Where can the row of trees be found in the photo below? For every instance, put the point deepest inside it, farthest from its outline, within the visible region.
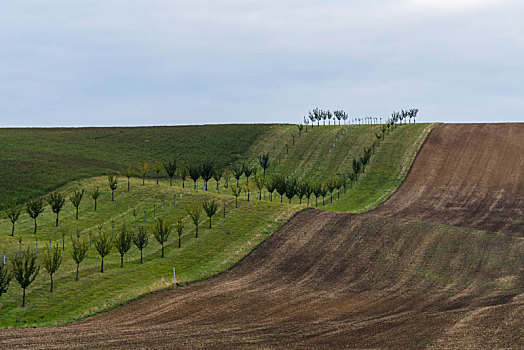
(25, 268)
(317, 115)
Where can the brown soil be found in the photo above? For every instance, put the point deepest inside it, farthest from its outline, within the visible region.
(332, 280)
(469, 175)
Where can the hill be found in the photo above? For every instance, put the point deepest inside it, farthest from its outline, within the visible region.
(36, 161)
(469, 175)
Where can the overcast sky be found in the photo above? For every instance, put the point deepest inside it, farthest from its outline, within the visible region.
(167, 62)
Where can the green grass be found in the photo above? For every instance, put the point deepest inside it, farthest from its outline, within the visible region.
(36, 161)
(215, 250)
(314, 158)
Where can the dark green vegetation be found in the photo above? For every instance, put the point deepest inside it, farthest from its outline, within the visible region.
(37, 161)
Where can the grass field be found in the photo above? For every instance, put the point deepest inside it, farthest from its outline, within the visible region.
(327, 151)
(36, 161)
(316, 155)
(214, 251)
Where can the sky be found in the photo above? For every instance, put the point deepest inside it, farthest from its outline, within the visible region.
(167, 62)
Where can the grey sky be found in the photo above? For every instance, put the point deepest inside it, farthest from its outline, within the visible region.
(129, 62)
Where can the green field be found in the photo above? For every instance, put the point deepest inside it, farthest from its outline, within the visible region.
(36, 161)
(216, 249)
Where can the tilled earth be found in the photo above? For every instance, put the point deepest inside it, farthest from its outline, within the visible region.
(334, 280)
(469, 175)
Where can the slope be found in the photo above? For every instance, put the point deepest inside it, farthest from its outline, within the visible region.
(469, 175)
(329, 280)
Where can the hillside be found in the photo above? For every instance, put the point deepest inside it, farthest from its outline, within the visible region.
(330, 280)
(372, 280)
(469, 175)
(36, 161)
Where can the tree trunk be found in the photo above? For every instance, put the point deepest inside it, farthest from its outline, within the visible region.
(162, 250)
(95, 204)
(102, 265)
(13, 229)
(210, 222)
(51, 283)
(141, 260)
(56, 220)
(331, 194)
(316, 201)
(280, 198)
(121, 260)
(196, 227)
(128, 185)
(23, 297)
(224, 211)
(76, 279)
(323, 200)
(77, 213)
(248, 196)
(157, 180)
(236, 203)
(112, 196)
(170, 181)
(179, 243)
(183, 183)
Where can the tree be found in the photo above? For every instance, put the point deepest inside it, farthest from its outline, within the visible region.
(161, 232)
(331, 185)
(300, 128)
(95, 194)
(356, 167)
(238, 171)
(113, 183)
(103, 242)
(143, 168)
(226, 178)
(343, 179)
(247, 187)
(122, 243)
(352, 177)
(194, 211)
(76, 198)
(217, 175)
(25, 270)
(183, 175)
(52, 261)
(157, 167)
(323, 192)
(179, 226)
(280, 186)
(248, 170)
(301, 190)
(206, 171)
(79, 251)
(129, 173)
(194, 174)
(34, 209)
(263, 160)
(317, 190)
(170, 167)
(306, 122)
(308, 190)
(271, 185)
(56, 201)
(291, 188)
(210, 207)
(5, 278)
(13, 213)
(140, 240)
(236, 192)
(259, 182)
